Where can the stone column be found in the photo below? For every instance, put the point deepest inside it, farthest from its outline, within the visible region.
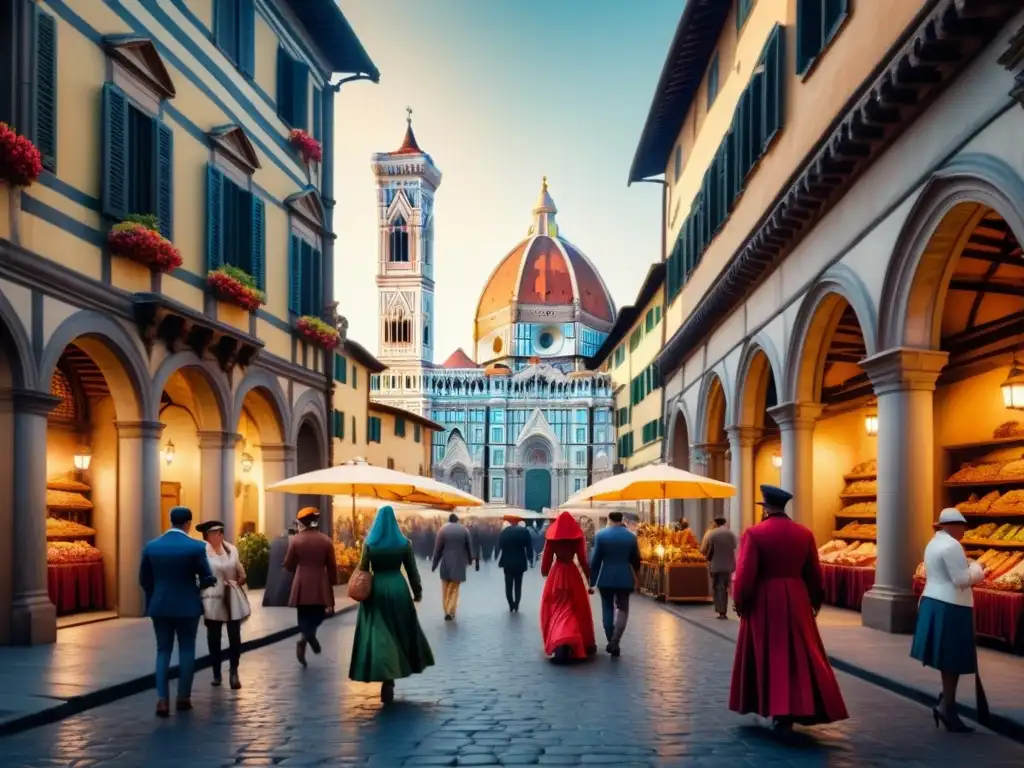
(904, 382)
(278, 464)
(217, 479)
(33, 616)
(741, 445)
(796, 424)
(138, 503)
(693, 509)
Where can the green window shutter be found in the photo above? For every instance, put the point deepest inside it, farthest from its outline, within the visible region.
(756, 142)
(45, 102)
(340, 369)
(808, 33)
(318, 114)
(225, 27)
(308, 279)
(247, 37)
(775, 78)
(339, 424)
(164, 163)
(284, 85)
(115, 152)
(354, 382)
(214, 218)
(318, 283)
(416, 432)
(258, 242)
(295, 275)
(353, 429)
(300, 94)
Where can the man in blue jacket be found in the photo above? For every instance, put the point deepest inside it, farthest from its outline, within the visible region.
(614, 563)
(515, 555)
(174, 570)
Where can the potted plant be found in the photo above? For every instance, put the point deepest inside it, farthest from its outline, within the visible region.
(317, 331)
(310, 149)
(235, 286)
(138, 238)
(254, 554)
(20, 161)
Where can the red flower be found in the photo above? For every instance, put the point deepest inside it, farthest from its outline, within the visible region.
(20, 161)
(317, 331)
(309, 148)
(143, 246)
(235, 291)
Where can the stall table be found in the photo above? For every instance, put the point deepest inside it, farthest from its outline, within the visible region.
(998, 615)
(845, 585)
(680, 582)
(76, 587)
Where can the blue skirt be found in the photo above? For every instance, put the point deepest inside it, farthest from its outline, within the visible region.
(944, 637)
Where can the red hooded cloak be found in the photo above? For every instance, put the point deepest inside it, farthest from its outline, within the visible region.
(565, 616)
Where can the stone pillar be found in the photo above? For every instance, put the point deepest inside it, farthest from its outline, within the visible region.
(692, 510)
(904, 382)
(217, 480)
(796, 424)
(33, 616)
(741, 446)
(278, 464)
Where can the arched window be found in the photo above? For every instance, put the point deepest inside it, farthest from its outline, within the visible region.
(426, 335)
(398, 245)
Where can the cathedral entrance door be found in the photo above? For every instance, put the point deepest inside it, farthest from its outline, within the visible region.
(538, 489)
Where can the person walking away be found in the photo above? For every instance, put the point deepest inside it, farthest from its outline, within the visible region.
(279, 580)
(944, 636)
(173, 570)
(389, 644)
(719, 547)
(515, 555)
(780, 670)
(614, 565)
(707, 534)
(311, 558)
(225, 604)
(566, 623)
(453, 552)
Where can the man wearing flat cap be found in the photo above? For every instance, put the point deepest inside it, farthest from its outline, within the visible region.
(173, 571)
(777, 594)
(311, 558)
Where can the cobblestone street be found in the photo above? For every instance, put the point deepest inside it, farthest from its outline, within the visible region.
(493, 699)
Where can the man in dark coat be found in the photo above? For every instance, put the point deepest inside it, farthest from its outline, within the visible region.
(453, 552)
(614, 565)
(279, 579)
(311, 558)
(515, 554)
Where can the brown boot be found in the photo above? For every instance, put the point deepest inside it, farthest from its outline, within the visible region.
(183, 704)
(300, 651)
(163, 708)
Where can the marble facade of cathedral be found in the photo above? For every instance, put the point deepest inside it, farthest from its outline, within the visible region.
(526, 424)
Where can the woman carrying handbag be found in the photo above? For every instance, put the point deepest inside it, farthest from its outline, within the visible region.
(388, 643)
(225, 604)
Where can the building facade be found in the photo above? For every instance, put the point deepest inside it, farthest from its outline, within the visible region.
(845, 208)
(131, 388)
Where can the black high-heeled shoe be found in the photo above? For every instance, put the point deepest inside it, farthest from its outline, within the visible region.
(953, 724)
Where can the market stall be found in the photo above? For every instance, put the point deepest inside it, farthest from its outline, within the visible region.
(672, 566)
(848, 558)
(74, 566)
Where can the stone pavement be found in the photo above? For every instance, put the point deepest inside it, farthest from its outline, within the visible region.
(493, 699)
(97, 663)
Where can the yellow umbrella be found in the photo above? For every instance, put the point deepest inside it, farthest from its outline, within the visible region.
(655, 481)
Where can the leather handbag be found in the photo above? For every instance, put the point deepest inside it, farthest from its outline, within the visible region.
(360, 585)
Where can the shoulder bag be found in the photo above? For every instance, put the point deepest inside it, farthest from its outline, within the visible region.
(360, 585)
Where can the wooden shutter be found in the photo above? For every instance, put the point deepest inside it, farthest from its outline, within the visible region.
(318, 114)
(295, 275)
(247, 37)
(284, 84)
(45, 118)
(214, 218)
(808, 33)
(339, 425)
(163, 149)
(756, 123)
(115, 152)
(340, 369)
(300, 94)
(318, 282)
(258, 242)
(226, 28)
(308, 279)
(775, 78)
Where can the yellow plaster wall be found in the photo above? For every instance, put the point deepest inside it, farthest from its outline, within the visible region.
(266, 56)
(354, 401)
(203, 10)
(408, 455)
(62, 247)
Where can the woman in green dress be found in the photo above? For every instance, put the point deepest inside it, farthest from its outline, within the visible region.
(389, 643)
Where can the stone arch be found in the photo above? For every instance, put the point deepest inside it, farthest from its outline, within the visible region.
(759, 363)
(269, 407)
(207, 383)
(932, 238)
(15, 343)
(117, 354)
(309, 408)
(819, 314)
(713, 407)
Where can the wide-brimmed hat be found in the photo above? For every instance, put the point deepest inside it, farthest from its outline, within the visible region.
(774, 497)
(950, 516)
(210, 526)
(308, 515)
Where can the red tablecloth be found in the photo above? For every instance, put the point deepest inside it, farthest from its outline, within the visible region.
(997, 615)
(77, 587)
(845, 585)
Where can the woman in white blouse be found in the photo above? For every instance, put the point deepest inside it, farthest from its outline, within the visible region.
(944, 637)
(224, 604)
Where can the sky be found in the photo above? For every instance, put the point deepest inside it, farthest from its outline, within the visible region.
(503, 92)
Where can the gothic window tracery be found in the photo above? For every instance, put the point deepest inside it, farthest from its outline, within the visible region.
(398, 242)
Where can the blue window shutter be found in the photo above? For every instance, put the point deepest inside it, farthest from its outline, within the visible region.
(115, 152)
(318, 281)
(247, 37)
(300, 94)
(214, 218)
(259, 242)
(164, 176)
(295, 275)
(308, 279)
(46, 89)
(318, 114)
(284, 82)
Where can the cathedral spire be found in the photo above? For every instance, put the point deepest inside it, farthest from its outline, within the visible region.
(544, 213)
(409, 145)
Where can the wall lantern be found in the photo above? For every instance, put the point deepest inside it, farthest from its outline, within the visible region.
(168, 453)
(246, 461)
(871, 423)
(777, 460)
(83, 457)
(1013, 387)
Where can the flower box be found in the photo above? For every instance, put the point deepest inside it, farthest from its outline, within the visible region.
(235, 286)
(141, 242)
(318, 332)
(310, 149)
(20, 161)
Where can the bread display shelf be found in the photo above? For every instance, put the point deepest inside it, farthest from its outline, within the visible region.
(69, 500)
(991, 544)
(843, 514)
(854, 478)
(999, 481)
(853, 536)
(62, 484)
(861, 496)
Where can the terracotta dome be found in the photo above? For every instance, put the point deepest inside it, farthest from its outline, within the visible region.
(546, 269)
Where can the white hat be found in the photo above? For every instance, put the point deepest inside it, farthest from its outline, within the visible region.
(951, 516)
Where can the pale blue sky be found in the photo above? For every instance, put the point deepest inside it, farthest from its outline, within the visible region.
(503, 93)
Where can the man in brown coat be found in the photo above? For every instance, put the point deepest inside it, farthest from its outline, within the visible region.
(311, 558)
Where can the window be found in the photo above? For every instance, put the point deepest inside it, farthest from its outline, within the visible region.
(743, 9)
(416, 432)
(581, 458)
(399, 427)
(373, 430)
(496, 435)
(398, 331)
(620, 355)
(353, 429)
(713, 80)
(317, 129)
(305, 267)
(652, 318)
(580, 415)
(340, 369)
(234, 31)
(236, 227)
(391, 463)
(292, 90)
(497, 487)
(581, 434)
(817, 22)
(622, 417)
(625, 446)
(498, 457)
(635, 338)
(652, 431)
(45, 94)
(398, 242)
(577, 484)
(339, 425)
(355, 371)
(677, 163)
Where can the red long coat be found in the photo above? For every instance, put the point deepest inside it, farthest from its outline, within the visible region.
(780, 668)
(565, 615)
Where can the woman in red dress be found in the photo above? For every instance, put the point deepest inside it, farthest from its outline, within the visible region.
(781, 670)
(565, 618)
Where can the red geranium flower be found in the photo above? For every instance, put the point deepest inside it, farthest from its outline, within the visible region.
(20, 161)
(144, 246)
(317, 331)
(236, 287)
(309, 148)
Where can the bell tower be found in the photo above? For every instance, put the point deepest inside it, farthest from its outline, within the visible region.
(407, 181)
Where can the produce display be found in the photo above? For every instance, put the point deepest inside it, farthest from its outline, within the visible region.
(864, 530)
(860, 554)
(861, 488)
(65, 528)
(866, 471)
(680, 546)
(71, 553)
(66, 500)
(65, 483)
(861, 509)
(977, 506)
(988, 472)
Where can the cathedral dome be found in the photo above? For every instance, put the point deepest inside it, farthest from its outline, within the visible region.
(543, 271)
